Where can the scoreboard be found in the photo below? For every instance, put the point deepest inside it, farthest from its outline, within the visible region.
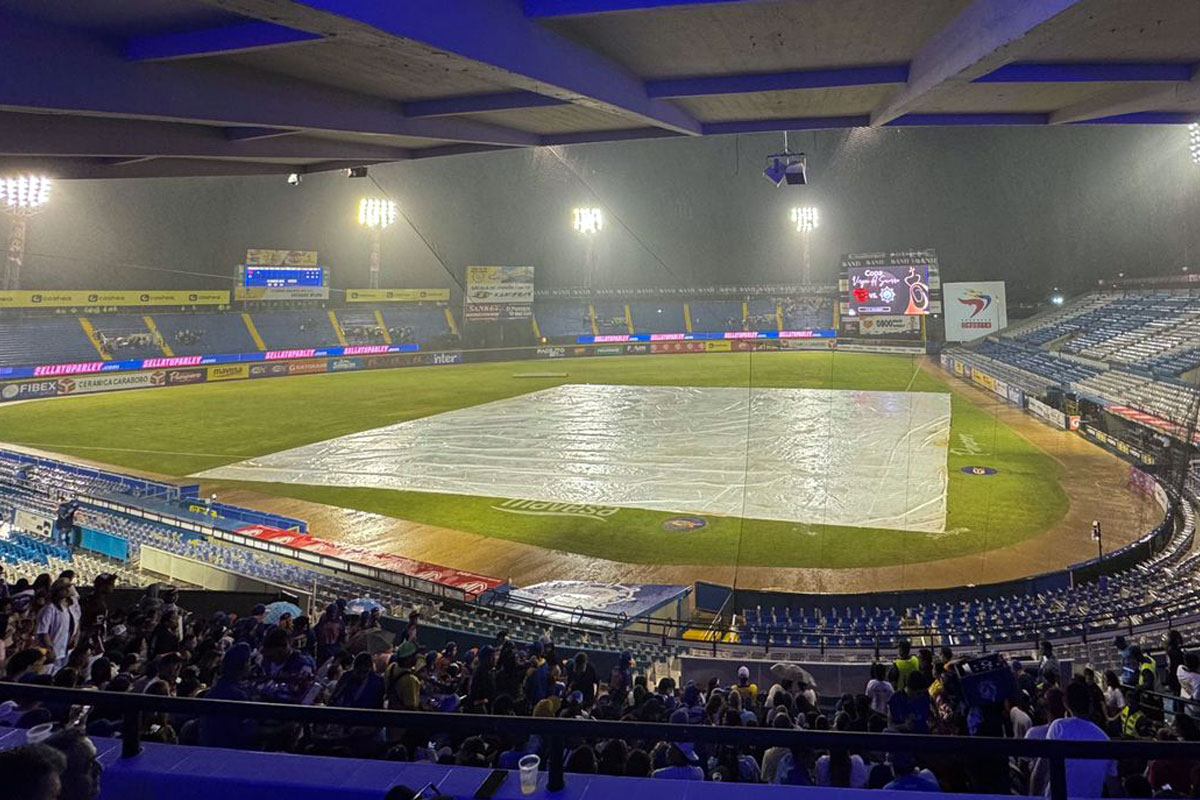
(283, 277)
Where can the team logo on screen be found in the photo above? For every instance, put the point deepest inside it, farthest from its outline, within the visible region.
(684, 524)
(978, 301)
(978, 471)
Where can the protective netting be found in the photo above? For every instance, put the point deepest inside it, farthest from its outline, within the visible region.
(865, 459)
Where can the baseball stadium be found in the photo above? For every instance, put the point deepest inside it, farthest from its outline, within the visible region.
(523, 399)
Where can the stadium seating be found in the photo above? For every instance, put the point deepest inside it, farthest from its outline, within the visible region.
(203, 333)
(126, 336)
(654, 316)
(711, 316)
(285, 330)
(44, 340)
(562, 319)
(417, 323)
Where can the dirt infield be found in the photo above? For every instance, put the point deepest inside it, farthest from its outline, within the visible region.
(1095, 481)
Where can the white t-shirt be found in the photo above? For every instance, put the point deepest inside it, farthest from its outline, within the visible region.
(1189, 682)
(56, 623)
(1021, 723)
(859, 772)
(1114, 700)
(1085, 777)
(880, 693)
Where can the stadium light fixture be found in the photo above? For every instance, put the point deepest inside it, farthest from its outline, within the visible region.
(587, 220)
(1194, 141)
(375, 213)
(1057, 299)
(806, 219)
(21, 196)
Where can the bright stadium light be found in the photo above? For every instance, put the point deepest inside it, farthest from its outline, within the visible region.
(587, 220)
(21, 196)
(1057, 299)
(375, 213)
(1194, 141)
(806, 218)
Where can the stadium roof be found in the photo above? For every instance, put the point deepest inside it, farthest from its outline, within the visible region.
(216, 87)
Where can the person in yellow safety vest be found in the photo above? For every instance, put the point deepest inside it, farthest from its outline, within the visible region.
(1135, 724)
(906, 664)
(1147, 673)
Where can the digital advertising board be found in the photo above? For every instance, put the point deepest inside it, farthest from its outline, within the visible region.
(890, 284)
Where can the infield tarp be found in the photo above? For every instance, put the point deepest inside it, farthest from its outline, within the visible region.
(865, 459)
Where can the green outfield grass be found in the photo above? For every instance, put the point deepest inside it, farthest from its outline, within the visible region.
(183, 430)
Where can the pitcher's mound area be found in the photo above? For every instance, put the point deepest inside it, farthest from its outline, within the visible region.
(851, 458)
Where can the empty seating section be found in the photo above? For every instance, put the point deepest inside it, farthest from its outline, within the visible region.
(1136, 328)
(807, 313)
(665, 316)
(44, 340)
(125, 336)
(562, 318)
(763, 314)
(712, 316)
(1075, 317)
(205, 333)
(360, 326)
(1039, 362)
(610, 317)
(283, 330)
(418, 323)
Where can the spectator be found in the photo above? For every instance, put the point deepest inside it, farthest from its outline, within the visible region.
(747, 690)
(905, 664)
(879, 690)
(56, 624)
(81, 778)
(32, 772)
(1085, 777)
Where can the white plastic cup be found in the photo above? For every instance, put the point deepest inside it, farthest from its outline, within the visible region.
(529, 773)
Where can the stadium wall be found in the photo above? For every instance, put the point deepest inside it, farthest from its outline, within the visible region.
(1083, 202)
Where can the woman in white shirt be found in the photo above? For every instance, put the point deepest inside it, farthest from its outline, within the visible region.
(1114, 698)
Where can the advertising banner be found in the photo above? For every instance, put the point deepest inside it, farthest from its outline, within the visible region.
(1120, 445)
(469, 582)
(497, 294)
(123, 298)
(229, 372)
(723, 346)
(182, 377)
(889, 326)
(281, 258)
(974, 310)
(344, 364)
(397, 295)
(1016, 395)
(500, 285)
(28, 390)
(276, 370)
(308, 366)
(551, 352)
(84, 384)
(891, 284)
(1048, 413)
(983, 379)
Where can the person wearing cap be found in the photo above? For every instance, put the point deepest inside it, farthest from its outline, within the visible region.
(402, 686)
(251, 629)
(748, 690)
(682, 762)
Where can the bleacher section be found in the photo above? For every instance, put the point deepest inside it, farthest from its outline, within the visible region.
(655, 317)
(562, 318)
(419, 323)
(1038, 362)
(713, 316)
(610, 317)
(360, 326)
(126, 336)
(205, 332)
(44, 340)
(283, 330)
(762, 314)
(806, 313)
(1071, 318)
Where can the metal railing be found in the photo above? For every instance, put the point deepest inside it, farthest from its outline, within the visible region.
(556, 732)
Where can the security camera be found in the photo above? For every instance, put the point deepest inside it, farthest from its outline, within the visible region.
(294, 179)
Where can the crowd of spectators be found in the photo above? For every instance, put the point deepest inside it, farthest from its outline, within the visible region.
(53, 636)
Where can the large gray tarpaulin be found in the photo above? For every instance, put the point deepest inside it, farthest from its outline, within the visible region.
(866, 459)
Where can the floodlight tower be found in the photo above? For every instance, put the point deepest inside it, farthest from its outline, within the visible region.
(21, 196)
(588, 222)
(375, 213)
(806, 219)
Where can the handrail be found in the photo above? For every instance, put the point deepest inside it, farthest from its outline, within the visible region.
(556, 731)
